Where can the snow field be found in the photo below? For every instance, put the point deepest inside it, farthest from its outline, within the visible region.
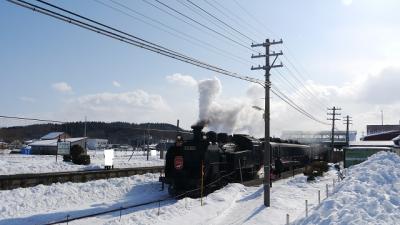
(16, 164)
(369, 195)
(41, 204)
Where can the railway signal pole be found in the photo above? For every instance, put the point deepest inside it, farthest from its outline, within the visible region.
(347, 122)
(333, 119)
(267, 67)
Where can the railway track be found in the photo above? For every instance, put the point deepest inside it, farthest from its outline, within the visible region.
(8, 182)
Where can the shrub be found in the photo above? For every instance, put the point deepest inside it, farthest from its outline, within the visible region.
(67, 158)
(76, 151)
(82, 160)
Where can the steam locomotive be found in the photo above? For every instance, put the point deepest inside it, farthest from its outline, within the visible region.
(212, 160)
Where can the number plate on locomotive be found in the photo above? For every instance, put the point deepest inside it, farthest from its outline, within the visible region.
(189, 148)
(178, 162)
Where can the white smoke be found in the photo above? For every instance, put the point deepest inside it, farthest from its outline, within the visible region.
(208, 91)
(232, 115)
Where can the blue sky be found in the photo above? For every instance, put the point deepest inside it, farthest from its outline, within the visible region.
(58, 71)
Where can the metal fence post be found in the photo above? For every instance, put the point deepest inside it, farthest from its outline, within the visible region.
(306, 208)
(327, 193)
(319, 197)
(287, 219)
(159, 205)
(240, 171)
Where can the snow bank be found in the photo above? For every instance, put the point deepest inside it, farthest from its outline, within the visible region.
(369, 195)
(40, 204)
(15, 164)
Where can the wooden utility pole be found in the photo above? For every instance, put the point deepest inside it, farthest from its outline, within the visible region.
(267, 67)
(347, 122)
(333, 119)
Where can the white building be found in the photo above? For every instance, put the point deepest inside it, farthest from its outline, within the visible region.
(94, 144)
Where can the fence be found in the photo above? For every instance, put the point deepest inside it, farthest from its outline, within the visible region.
(340, 177)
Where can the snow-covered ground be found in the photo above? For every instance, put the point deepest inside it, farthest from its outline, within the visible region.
(369, 195)
(15, 163)
(234, 204)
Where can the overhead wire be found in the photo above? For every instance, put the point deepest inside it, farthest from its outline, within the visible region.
(235, 18)
(179, 34)
(216, 18)
(31, 119)
(204, 26)
(308, 89)
(131, 39)
(222, 29)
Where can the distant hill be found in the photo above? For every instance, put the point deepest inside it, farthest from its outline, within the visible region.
(115, 132)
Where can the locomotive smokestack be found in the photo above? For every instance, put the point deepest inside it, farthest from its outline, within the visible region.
(197, 128)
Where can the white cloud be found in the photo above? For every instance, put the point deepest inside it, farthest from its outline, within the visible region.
(183, 80)
(382, 88)
(116, 84)
(27, 99)
(62, 87)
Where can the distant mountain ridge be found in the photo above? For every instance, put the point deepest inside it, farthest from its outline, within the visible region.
(115, 132)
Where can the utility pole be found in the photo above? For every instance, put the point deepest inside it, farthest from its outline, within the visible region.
(382, 118)
(267, 67)
(347, 122)
(333, 114)
(84, 133)
(148, 139)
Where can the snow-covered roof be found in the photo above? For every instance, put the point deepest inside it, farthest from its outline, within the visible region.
(51, 135)
(54, 142)
(372, 143)
(396, 138)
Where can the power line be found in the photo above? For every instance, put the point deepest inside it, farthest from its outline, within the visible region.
(310, 90)
(232, 28)
(301, 92)
(298, 97)
(178, 34)
(236, 19)
(31, 119)
(299, 80)
(204, 26)
(253, 17)
(200, 13)
(131, 39)
(291, 103)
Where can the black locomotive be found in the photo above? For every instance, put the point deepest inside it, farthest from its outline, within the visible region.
(215, 159)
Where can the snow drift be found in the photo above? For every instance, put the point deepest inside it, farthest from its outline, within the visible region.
(369, 195)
